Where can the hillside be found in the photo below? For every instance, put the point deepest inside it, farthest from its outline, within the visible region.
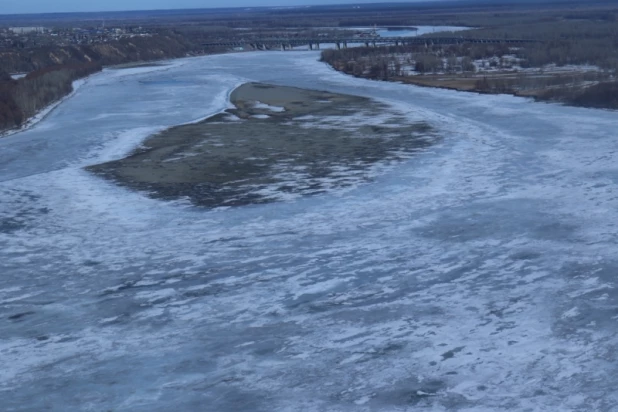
(23, 98)
(52, 70)
(126, 50)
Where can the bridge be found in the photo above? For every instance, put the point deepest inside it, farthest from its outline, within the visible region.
(314, 43)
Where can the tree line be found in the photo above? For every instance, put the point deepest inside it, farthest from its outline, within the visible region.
(53, 69)
(23, 98)
(164, 45)
(563, 41)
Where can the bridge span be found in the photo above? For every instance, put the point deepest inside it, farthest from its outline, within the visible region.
(314, 43)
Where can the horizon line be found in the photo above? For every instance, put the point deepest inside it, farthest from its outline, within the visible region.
(283, 6)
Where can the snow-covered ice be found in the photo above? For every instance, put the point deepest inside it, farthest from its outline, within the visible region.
(478, 275)
(264, 106)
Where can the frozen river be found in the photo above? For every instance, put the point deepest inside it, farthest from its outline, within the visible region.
(478, 276)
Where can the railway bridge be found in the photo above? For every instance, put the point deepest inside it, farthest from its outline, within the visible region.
(314, 43)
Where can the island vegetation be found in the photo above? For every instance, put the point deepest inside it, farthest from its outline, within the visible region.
(303, 143)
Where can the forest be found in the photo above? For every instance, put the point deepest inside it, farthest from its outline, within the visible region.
(52, 70)
(21, 99)
(164, 45)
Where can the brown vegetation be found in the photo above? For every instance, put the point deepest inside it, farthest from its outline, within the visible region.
(163, 46)
(52, 70)
(444, 67)
(602, 95)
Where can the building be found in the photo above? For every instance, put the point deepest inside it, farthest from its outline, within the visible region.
(25, 30)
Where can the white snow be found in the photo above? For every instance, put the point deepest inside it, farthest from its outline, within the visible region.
(264, 106)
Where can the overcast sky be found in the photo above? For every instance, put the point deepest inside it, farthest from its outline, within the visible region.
(53, 6)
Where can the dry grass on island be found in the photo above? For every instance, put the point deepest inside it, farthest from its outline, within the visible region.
(276, 143)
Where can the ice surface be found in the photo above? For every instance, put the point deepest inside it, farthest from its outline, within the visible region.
(406, 32)
(276, 109)
(478, 275)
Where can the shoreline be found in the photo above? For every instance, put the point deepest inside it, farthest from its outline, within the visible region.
(536, 95)
(431, 85)
(76, 85)
(135, 145)
(46, 111)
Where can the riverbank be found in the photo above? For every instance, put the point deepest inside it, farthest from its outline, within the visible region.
(275, 143)
(467, 84)
(52, 69)
(576, 88)
(41, 113)
(599, 95)
(578, 71)
(25, 100)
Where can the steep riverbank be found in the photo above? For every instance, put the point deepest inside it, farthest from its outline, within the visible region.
(275, 143)
(22, 100)
(165, 45)
(52, 70)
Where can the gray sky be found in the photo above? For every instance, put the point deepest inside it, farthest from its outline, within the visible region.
(52, 6)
